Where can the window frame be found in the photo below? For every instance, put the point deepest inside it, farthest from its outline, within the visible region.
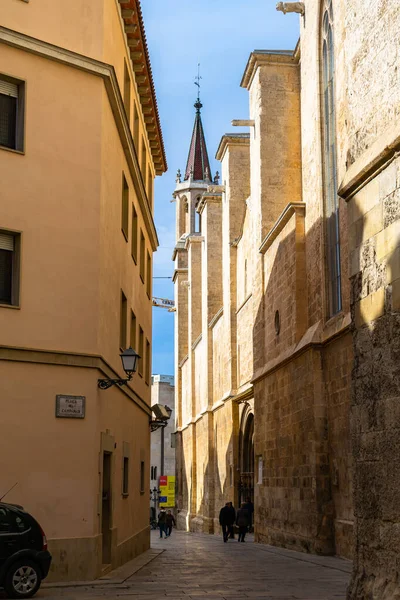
(143, 160)
(142, 264)
(150, 188)
(125, 476)
(133, 326)
(20, 128)
(125, 208)
(332, 255)
(134, 238)
(147, 374)
(149, 274)
(136, 128)
(141, 352)
(123, 321)
(15, 269)
(127, 92)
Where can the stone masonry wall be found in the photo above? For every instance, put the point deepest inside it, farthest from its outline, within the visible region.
(375, 259)
(293, 503)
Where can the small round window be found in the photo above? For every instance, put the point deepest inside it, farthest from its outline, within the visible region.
(277, 322)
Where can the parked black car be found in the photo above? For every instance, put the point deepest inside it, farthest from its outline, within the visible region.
(24, 558)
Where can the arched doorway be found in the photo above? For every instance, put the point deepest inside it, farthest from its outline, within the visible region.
(246, 479)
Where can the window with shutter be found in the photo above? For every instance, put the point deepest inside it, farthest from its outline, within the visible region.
(9, 268)
(11, 113)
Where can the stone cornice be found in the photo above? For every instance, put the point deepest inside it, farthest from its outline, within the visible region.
(244, 395)
(216, 318)
(193, 238)
(231, 139)
(371, 162)
(291, 209)
(208, 198)
(315, 338)
(197, 341)
(258, 58)
(107, 73)
(184, 359)
(176, 273)
(244, 303)
(70, 359)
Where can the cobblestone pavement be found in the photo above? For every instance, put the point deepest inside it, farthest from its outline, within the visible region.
(191, 566)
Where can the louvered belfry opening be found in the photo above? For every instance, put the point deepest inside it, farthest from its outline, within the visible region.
(198, 165)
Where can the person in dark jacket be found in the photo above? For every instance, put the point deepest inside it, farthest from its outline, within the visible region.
(170, 521)
(232, 512)
(226, 520)
(162, 522)
(250, 507)
(242, 521)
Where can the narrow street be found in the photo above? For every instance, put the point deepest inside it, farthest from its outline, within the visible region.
(196, 565)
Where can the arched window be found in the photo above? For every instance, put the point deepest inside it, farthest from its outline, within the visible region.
(331, 204)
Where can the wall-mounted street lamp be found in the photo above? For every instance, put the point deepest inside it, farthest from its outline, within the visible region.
(162, 414)
(129, 360)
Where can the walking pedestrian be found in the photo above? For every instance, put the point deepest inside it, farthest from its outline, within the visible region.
(225, 520)
(162, 522)
(232, 513)
(170, 521)
(242, 521)
(250, 507)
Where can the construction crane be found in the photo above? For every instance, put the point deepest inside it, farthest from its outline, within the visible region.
(164, 303)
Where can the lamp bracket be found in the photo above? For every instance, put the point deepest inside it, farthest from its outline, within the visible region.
(104, 384)
(157, 423)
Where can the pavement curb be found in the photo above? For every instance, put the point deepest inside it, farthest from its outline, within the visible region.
(116, 577)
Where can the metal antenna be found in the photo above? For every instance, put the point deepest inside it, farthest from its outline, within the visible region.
(11, 488)
(197, 81)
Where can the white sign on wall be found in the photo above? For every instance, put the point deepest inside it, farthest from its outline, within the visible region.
(70, 407)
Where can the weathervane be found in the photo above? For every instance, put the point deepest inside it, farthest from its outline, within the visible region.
(198, 104)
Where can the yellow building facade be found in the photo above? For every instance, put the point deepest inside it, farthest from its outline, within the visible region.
(287, 300)
(80, 145)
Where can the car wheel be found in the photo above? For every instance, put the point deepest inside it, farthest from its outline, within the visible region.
(22, 579)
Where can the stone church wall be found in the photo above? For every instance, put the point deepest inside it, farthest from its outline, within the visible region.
(375, 278)
(224, 459)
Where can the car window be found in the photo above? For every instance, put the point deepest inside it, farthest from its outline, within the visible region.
(4, 522)
(18, 524)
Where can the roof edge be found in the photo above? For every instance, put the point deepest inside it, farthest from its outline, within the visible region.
(264, 57)
(235, 139)
(132, 19)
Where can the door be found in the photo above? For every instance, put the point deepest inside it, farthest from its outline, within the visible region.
(106, 509)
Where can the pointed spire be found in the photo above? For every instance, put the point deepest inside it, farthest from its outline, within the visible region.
(198, 165)
(198, 161)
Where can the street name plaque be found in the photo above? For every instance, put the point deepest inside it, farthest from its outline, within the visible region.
(70, 407)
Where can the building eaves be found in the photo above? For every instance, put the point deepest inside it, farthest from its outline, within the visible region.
(260, 57)
(132, 17)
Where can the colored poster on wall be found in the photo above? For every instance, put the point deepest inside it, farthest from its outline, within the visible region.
(167, 489)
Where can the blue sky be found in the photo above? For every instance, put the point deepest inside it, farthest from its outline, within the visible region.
(218, 34)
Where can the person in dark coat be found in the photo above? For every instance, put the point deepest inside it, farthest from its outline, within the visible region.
(225, 520)
(162, 522)
(170, 522)
(242, 521)
(232, 513)
(250, 507)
